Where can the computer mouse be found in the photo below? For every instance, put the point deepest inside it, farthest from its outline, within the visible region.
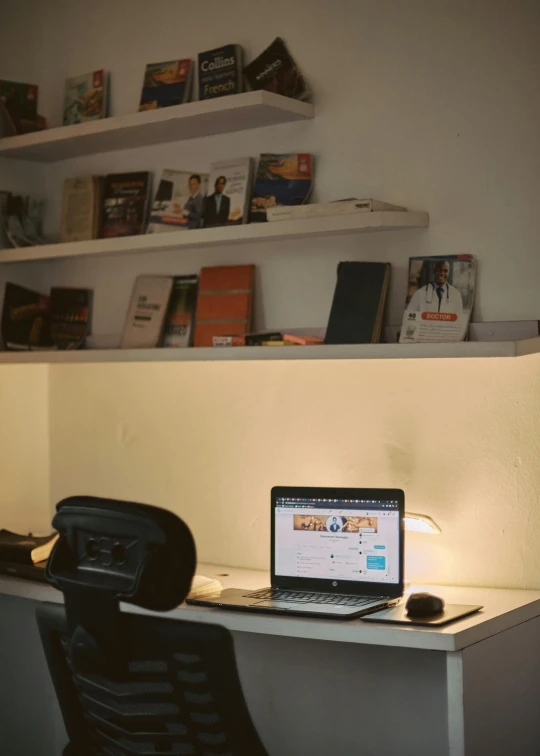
(424, 605)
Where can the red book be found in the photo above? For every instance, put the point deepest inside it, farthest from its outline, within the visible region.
(224, 303)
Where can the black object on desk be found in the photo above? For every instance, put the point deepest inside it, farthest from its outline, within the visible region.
(398, 615)
(129, 683)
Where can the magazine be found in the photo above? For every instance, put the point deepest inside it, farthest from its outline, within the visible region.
(179, 201)
(85, 97)
(284, 179)
(276, 71)
(228, 193)
(440, 299)
(166, 84)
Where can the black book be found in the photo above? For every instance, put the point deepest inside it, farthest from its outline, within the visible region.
(126, 199)
(25, 549)
(220, 72)
(70, 317)
(358, 307)
(276, 71)
(25, 319)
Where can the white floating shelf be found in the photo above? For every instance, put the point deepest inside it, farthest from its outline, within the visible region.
(469, 349)
(220, 115)
(211, 237)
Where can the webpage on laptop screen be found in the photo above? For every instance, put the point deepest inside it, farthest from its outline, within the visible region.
(346, 540)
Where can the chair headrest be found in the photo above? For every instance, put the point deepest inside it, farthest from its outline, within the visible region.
(122, 550)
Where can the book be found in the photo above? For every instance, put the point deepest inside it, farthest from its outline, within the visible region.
(180, 317)
(179, 201)
(27, 549)
(20, 104)
(86, 97)
(224, 303)
(126, 197)
(284, 179)
(229, 189)
(220, 72)
(165, 84)
(146, 312)
(328, 209)
(276, 71)
(25, 319)
(357, 309)
(81, 208)
(202, 587)
(294, 338)
(440, 298)
(70, 317)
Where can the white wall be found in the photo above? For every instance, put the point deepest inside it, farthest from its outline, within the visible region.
(24, 448)
(209, 440)
(432, 104)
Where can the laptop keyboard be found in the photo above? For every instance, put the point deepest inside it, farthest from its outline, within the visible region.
(300, 597)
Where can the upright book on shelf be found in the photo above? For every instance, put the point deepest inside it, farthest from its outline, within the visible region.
(276, 71)
(25, 319)
(126, 198)
(229, 187)
(220, 72)
(179, 201)
(20, 105)
(70, 317)
(180, 317)
(440, 298)
(81, 208)
(146, 313)
(283, 179)
(224, 303)
(166, 84)
(357, 310)
(86, 97)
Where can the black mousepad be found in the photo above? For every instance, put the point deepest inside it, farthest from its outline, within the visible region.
(397, 615)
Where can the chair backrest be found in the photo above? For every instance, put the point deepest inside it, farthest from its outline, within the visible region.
(128, 683)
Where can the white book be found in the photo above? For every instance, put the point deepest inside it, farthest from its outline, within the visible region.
(146, 313)
(229, 189)
(326, 209)
(202, 586)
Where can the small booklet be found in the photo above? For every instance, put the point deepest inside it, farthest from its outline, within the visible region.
(202, 587)
(440, 299)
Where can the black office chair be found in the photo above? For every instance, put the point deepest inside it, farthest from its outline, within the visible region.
(129, 683)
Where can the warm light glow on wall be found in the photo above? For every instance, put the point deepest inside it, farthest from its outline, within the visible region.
(420, 523)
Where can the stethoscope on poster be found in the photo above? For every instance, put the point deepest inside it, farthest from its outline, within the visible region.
(445, 286)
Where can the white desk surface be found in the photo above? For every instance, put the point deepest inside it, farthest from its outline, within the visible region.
(503, 609)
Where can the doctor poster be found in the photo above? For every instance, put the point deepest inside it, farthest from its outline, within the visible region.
(439, 299)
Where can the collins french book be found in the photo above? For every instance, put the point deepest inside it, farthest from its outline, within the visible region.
(220, 72)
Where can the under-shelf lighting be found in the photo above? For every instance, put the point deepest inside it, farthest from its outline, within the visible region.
(420, 523)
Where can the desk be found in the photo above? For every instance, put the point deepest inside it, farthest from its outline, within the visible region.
(317, 687)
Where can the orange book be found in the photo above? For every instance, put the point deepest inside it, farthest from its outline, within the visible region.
(224, 303)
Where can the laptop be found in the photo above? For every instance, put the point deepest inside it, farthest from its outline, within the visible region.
(335, 552)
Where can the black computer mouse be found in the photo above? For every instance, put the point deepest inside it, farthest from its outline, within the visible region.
(424, 605)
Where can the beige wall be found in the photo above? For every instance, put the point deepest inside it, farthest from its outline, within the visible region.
(24, 448)
(208, 441)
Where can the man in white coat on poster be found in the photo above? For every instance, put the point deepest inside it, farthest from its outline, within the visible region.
(438, 295)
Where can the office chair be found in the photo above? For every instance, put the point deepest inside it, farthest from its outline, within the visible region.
(131, 683)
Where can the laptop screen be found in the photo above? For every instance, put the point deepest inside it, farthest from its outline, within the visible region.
(345, 539)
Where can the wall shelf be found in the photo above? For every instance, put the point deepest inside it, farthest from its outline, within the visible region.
(465, 349)
(221, 115)
(211, 237)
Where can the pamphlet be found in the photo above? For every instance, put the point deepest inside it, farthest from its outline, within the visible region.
(440, 299)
